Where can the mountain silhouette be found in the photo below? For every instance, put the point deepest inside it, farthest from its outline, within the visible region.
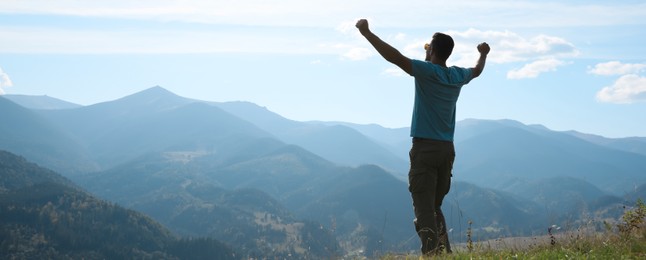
(497, 153)
(628, 144)
(242, 174)
(152, 120)
(335, 142)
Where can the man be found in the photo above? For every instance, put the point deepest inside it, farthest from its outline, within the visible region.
(437, 88)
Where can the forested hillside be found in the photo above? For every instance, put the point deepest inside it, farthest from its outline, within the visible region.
(44, 216)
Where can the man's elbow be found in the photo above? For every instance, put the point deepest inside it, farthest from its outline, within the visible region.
(476, 72)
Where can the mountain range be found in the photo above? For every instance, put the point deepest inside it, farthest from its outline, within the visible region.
(267, 185)
(501, 154)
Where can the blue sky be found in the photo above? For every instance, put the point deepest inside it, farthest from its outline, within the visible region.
(568, 65)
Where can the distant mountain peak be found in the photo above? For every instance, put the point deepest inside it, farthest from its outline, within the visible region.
(155, 91)
(155, 97)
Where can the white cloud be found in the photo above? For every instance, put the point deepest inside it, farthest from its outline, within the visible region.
(541, 53)
(532, 70)
(627, 89)
(5, 81)
(507, 46)
(617, 68)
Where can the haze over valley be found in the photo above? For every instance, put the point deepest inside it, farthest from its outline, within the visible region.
(239, 177)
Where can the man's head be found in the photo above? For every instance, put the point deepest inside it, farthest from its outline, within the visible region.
(441, 46)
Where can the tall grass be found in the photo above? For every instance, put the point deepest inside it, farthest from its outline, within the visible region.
(623, 240)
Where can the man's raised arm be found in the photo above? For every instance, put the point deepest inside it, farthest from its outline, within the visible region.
(484, 49)
(389, 53)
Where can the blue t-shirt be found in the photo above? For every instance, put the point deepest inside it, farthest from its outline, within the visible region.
(436, 92)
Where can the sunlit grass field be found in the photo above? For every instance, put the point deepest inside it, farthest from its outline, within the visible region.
(625, 240)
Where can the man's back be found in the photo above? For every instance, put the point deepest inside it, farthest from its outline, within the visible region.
(437, 89)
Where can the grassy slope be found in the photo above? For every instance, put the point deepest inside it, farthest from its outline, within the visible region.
(625, 240)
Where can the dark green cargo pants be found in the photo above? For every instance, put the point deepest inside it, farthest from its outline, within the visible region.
(429, 180)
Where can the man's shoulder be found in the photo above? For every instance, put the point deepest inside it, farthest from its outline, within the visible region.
(461, 73)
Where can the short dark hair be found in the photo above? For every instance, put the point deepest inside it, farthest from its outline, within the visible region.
(442, 45)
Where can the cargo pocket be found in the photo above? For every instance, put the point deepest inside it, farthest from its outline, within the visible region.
(418, 180)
